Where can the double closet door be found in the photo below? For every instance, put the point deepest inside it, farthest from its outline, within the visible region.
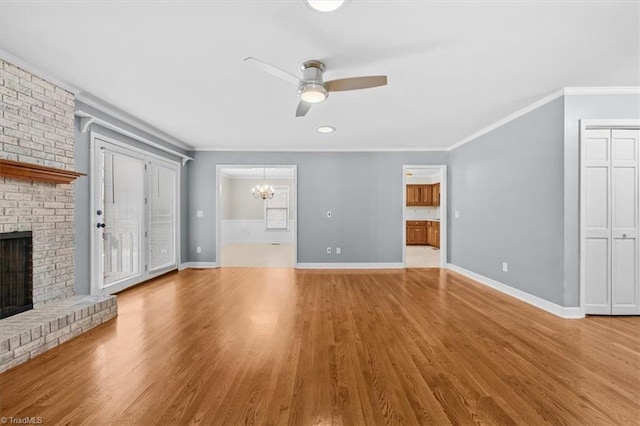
(610, 207)
(135, 216)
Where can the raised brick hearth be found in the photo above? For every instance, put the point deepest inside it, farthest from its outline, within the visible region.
(27, 335)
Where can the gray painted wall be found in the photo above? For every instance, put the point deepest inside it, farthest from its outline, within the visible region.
(517, 189)
(82, 215)
(507, 187)
(362, 189)
(579, 107)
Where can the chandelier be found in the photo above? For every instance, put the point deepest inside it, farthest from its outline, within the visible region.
(263, 191)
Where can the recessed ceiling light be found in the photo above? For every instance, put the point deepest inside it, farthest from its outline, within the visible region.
(325, 5)
(325, 129)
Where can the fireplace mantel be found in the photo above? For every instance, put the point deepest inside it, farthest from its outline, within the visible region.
(37, 172)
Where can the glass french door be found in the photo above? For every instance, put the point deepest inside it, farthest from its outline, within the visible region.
(135, 217)
(162, 216)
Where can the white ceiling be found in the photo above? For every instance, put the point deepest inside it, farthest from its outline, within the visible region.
(454, 67)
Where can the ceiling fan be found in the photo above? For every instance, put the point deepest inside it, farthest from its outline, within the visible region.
(312, 89)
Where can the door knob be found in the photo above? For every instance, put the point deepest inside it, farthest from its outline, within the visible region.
(624, 235)
(101, 225)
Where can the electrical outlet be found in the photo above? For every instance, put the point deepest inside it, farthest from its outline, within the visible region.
(198, 249)
(329, 214)
(328, 250)
(505, 267)
(338, 250)
(200, 213)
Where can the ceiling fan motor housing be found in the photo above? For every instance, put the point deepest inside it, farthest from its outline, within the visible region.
(312, 79)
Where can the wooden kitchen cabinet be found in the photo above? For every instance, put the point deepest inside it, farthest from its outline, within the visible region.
(426, 195)
(430, 236)
(422, 195)
(416, 233)
(435, 194)
(423, 233)
(413, 195)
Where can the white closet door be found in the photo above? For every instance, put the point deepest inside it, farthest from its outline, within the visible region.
(596, 261)
(625, 297)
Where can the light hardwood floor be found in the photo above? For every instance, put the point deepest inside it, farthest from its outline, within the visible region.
(279, 346)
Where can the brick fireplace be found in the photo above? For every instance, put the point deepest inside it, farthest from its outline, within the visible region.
(37, 128)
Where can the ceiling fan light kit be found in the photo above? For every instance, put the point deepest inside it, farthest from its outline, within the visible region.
(325, 5)
(312, 93)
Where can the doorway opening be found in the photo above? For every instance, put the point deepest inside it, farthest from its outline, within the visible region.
(254, 229)
(424, 207)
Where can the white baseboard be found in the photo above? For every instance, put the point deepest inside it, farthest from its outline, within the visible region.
(349, 266)
(198, 265)
(545, 305)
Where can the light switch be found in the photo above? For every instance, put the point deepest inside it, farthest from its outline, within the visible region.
(200, 213)
(456, 214)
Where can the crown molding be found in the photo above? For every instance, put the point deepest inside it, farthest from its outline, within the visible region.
(322, 149)
(123, 116)
(27, 66)
(87, 119)
(92, 101)
(567, 91)
(619, 90)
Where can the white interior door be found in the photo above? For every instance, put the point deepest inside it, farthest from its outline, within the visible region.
(609, 264)
(624, 222)
(597, 234)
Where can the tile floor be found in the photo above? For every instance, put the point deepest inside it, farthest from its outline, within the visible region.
(422, 257)
(258, 255)
(281, 256)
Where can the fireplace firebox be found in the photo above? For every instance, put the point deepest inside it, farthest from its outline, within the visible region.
(16, 273)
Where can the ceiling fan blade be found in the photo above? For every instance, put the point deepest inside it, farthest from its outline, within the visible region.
(355, 83)
(282, 74)
(303, 108)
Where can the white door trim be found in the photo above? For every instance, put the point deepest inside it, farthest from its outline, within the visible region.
(219, 200)
(589, 124)
(443, 210)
